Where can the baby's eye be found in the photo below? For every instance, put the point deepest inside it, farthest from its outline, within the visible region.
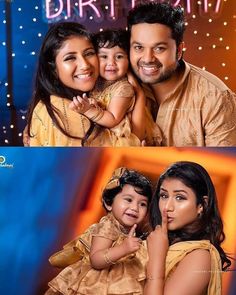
(119, 56)
(143, 204)
(103, 56)
(128, 200)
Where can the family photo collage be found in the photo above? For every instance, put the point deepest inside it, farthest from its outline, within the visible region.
(117, 147)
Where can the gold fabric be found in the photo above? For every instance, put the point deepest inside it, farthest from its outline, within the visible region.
(45, 133)
(115, 180)
(178, 251)
(201, 111)
(126, 277)
(120, 134)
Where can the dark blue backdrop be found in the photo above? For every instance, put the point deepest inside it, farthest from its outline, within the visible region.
(38, 196)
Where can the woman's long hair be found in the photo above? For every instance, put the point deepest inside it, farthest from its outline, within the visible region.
(208, 225)
(46, 81)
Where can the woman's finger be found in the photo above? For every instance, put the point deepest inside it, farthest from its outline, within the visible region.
(164, 221)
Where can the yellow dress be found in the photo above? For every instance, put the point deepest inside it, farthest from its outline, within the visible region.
(45, 133)
(121, 134)
(126, 277)
(178, 251)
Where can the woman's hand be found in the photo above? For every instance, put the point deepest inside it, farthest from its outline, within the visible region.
(157, 241)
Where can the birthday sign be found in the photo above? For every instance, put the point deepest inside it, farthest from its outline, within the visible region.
(111, 9)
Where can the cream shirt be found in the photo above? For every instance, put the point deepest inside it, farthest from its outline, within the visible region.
(201, 111)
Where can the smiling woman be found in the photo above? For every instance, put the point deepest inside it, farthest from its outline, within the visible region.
(67, 66)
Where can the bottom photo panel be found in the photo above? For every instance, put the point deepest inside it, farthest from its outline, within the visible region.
(118, 221)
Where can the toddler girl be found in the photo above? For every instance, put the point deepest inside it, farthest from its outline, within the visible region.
(113, 258)
(112, 101)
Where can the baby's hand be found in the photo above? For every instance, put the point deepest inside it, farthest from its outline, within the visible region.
(80, 104)
(131, 244)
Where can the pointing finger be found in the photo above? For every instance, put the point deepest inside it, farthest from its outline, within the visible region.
(132, 231)
(164, 221)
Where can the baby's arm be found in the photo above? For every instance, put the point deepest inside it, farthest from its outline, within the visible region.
(115, 112)
(103, 255)
(138, 113)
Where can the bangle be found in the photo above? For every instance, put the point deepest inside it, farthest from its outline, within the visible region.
(151, 278)
(107, 258)
(98, 115)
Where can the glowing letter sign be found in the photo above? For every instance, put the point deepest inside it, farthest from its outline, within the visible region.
(59, 9)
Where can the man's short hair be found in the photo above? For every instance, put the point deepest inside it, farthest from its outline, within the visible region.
(160, 13)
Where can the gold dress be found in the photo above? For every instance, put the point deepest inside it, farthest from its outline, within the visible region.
(178, 251)
(104, 91)
(45, 133)
(126, 277)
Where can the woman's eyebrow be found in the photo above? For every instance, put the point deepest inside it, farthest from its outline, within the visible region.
(71, 52)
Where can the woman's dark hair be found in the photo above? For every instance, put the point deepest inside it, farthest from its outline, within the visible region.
(141, 183)
(46, 81)
(208, 225)
(160, 13)
(112, 38)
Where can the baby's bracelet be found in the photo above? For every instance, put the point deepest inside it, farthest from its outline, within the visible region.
(151, 278)
(99, 114)
(107, 258)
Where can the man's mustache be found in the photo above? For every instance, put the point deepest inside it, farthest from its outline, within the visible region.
(150, 64)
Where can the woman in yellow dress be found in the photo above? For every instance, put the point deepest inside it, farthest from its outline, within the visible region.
(185, 215)
(109, 258)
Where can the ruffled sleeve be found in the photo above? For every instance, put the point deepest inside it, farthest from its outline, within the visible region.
(106, 228)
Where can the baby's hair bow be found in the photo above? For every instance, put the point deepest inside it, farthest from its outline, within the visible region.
(115, 179)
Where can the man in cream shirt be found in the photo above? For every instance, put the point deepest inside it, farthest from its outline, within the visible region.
(191, 106)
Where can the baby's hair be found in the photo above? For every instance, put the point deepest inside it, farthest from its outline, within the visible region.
(111, 38)
(141, 183)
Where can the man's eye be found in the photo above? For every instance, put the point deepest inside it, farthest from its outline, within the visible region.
(160, 49)
(138, 47)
